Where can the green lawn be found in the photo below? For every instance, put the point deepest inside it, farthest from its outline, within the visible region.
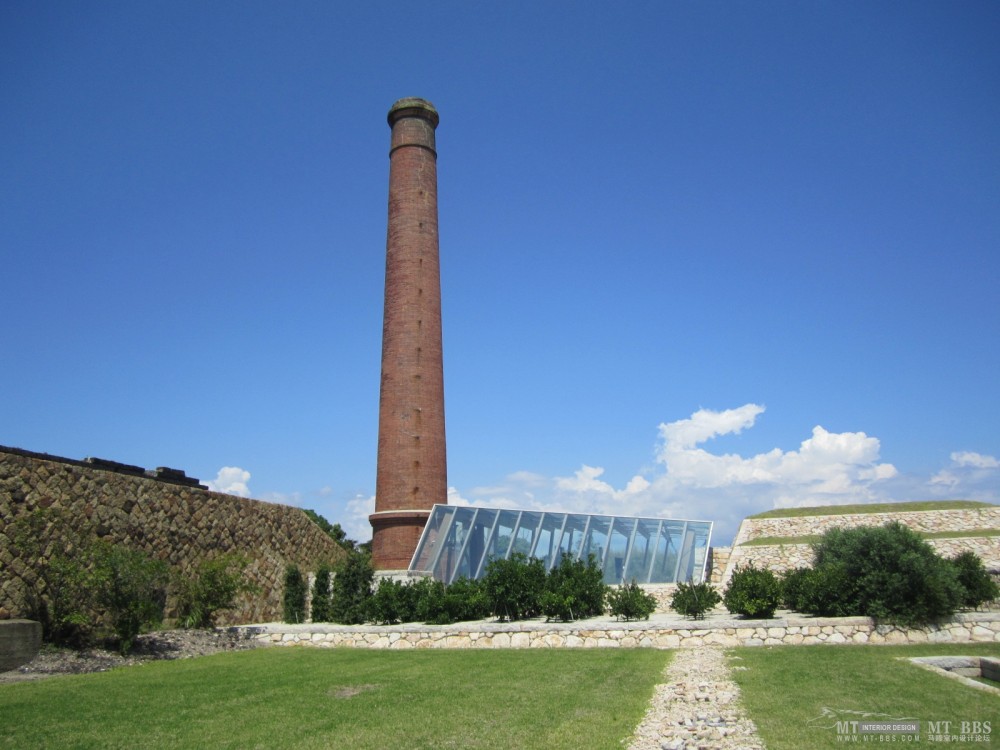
(343, 698)
(795, 694)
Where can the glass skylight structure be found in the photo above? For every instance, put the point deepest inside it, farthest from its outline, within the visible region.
(458, 541)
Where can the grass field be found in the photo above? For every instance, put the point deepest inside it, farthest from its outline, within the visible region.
(795, 694)
(343, 698)
(580, 699)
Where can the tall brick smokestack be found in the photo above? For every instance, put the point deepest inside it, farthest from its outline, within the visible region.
(412, 468)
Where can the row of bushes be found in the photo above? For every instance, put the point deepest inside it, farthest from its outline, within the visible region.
(513, 589)
(888, 573)
(89, 588)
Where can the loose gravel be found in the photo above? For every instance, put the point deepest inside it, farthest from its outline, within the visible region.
(164, 644)
(696, 708)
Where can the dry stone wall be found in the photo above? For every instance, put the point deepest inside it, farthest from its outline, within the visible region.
(968, 519)
(977, 627)
(781, 557)
(164, 514)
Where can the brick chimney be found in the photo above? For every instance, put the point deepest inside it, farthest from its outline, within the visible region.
(412, 468)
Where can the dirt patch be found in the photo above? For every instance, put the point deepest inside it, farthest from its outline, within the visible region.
(349, 691)
(164, 644)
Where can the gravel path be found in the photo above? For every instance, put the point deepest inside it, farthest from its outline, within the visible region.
(164, 644)
(696, 708)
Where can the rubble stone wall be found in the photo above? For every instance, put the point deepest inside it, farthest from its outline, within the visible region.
(171, 518)
(976, 627)
(781, 557)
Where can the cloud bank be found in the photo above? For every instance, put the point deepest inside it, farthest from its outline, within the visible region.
(231, 480)
(687, 480)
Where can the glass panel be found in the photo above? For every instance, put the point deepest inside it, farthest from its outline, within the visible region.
(451, 543)
(665, 557)
(526, 533)
(596, 543)
(499, 543)
(572, 537)
(427, 547)
(643, 548)
(475, 545)
(460, 540)
(547, 544)
(614, 561)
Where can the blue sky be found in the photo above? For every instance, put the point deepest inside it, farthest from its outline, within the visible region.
(699, 259)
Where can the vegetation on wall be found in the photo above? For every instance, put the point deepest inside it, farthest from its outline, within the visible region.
(215, 586)
(130, 587)
(88, 587)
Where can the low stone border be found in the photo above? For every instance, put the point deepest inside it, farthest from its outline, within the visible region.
(962, 668)
(660, 631)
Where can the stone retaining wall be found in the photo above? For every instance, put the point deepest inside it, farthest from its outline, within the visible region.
(781, 557)
(925, 520)
(162, 513)
(964, 628)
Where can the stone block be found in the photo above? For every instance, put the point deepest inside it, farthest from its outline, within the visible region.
(990, 668)
(19, 642)
(519, 640)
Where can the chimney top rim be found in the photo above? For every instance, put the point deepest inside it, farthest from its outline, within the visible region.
(413, 106)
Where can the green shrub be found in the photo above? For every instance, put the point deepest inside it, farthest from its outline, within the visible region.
(694, 599)
(319, 607)
(630, 602)
(573, 589)
(793, 585)
(513, 586)
(977, 584)
(465, 599)
(823, 591)
(390, 603)
(429, 601)
(295, 595)
(889, 573)
(130, 587)
(752, 592)
(60, 597)
(352, 589)
(216, 584)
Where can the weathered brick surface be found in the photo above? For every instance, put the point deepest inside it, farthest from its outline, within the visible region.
(179, 524)
(412, 468)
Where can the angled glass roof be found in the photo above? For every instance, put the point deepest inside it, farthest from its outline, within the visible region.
(458, 541)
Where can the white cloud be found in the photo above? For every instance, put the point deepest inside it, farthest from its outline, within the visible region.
(354, 520)
(283, 498)
(232, 480)
(975, 460)
(691, 482)
(705, 424)
(688, 481)
(970, 476)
